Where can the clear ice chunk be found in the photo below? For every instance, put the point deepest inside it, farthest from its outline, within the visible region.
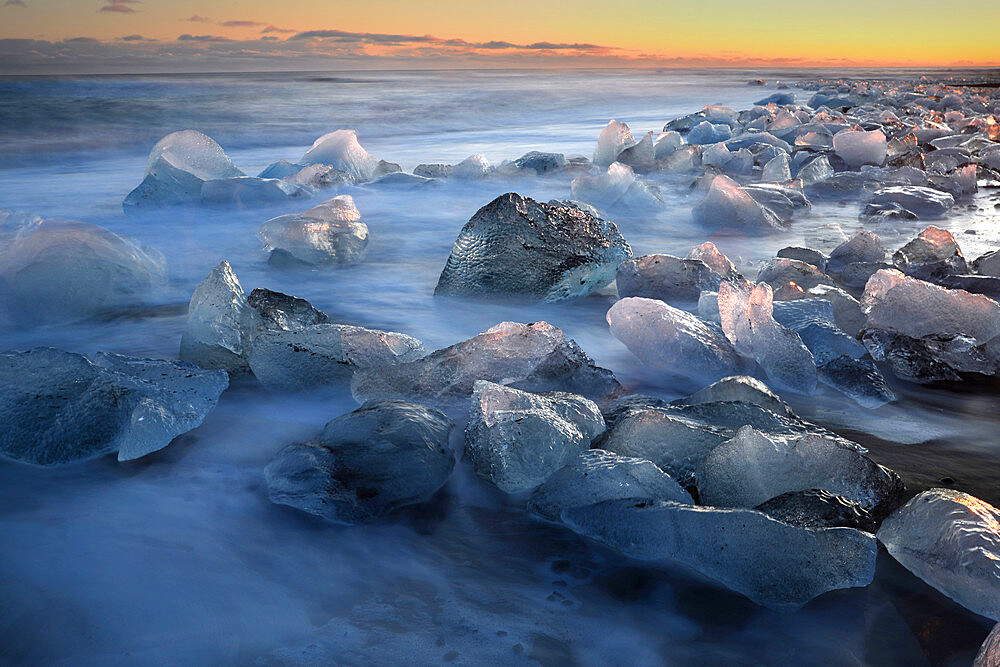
(365, 464)
(517, 440)
(951, 540)
(754, 467)
(329, 234)
(857, 147)
(340, 149)
(59, 271)
(595, 476)
(58, 407)
(672, 339)
(735, 547)
(323, 355)
(531, 357)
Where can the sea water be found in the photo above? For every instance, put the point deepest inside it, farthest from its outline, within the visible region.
(179, 558)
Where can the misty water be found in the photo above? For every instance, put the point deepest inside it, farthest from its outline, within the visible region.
(179, 558)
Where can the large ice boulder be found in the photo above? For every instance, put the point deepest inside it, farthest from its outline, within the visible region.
(772, 563)
(728, 206)
(58, 407)
(532, 357)
(754, 467)
(178, 166)
(673, 340)
(340, 149)
(221, 323)
(667, 278)
(925, 203)
(614, 138)
(329, 234)
(951, 540)
(917, 308)
(596, 476)
(746, 313)
(323, 355)
(365, 464)
(863, 247)
(516, 439)
(857, 147)
(516, 247)
(58, 270)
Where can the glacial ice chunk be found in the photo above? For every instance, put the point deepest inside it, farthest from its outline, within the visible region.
(516, 439)
(934, 254)
(221, 324)
(672, 339)
(246, 192)
(925, 203)
(951, 540)
(735, 547)
(741, 388)
(340, 149)
(816, 508)
(595, 476)
(917, 308)
(472, 168)
(857, 378)
(58, 407)
(325, 354)
(727, 205)
(616, 187)
(177, 167)
(863, 246)
(708, 253)
(614, 138)
(59, 271)
(330, 234)
(365, 464)
(777, 170)
(857, 147)
(747, 320)
(532, 357)
(705, 133)
(516, 247)
(781, 271)
(284, 312)
(666, 277)
(754, 467)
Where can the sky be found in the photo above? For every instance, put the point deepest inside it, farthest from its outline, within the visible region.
(221, 35)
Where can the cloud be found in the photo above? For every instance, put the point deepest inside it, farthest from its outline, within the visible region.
(120, 6)
(14, 3)
(272, 28)
(194, 18)
(330, 49)
(202, 38)
(240, 24)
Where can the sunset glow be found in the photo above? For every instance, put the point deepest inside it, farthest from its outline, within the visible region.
(43, 35)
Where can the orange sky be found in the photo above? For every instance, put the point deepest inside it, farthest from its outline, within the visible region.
(641, 32)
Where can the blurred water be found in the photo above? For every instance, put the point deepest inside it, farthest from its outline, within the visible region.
(180, 559)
